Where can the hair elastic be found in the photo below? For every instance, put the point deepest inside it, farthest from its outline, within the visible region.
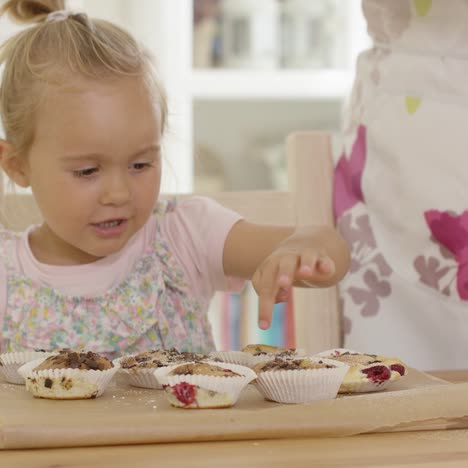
(59, 15)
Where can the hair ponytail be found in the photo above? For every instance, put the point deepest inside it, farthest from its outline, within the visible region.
(52, 53)
(27, 11)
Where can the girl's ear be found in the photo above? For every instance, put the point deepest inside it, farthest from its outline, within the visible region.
(13, 164)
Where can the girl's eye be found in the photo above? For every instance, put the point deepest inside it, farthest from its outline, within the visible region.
(89, 171)
(140, 166)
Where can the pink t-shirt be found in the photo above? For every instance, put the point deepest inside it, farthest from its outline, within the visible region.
(194, 233)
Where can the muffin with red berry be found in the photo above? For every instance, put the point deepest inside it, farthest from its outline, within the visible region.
(140, 367)
(68, 375)
(367, 372)
(204, 384)
(299, 380)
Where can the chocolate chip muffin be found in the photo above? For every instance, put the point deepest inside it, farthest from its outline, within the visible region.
(252, 354)
(203, 369)
(67, 359)
(160, 358)
(299, 380)
(291, 364)
(140, 367)
(262, 349)
(69, 375)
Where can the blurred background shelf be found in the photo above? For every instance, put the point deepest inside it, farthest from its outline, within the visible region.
(270, 84)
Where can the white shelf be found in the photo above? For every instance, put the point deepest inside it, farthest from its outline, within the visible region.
(271, 84)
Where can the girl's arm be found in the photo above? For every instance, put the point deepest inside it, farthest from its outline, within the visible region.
(276, 258)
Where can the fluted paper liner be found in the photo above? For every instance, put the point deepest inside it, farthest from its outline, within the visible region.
(230, 387)
(142, 377)
(66, 384)
(302, 385)
(14, 360)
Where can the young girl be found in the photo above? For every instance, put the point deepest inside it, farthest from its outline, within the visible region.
(109, 269)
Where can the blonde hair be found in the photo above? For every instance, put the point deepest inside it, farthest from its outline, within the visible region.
(51, 52)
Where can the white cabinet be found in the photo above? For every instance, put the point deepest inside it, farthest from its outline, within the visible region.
(241, 116)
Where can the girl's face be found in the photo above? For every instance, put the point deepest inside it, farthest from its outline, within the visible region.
(94, 168)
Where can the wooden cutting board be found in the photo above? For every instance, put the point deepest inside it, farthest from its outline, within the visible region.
(130, 415)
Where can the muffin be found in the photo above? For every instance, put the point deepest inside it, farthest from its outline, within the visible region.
(140, 367)
(252, 354)
(367, 372)
(299, 380)
(204, 384)
(68, 375)
(11, 362)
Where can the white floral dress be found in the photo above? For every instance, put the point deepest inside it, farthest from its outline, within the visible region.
(150, 309)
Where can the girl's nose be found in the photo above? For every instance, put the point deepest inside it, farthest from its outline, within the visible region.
(116, 191)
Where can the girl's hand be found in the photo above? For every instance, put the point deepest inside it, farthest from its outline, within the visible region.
(287, 266)
(276, 258)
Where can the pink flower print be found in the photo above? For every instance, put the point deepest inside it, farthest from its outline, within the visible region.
(451, 231)
(429, 271)
(361, 235)
(369, 297)
(366, 260)
(347, 189)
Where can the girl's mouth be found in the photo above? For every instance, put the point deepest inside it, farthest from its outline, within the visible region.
(110, 228)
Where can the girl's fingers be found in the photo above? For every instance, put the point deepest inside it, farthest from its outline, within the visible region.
(307, 264)
(286, 270)
(283, 295)
(273, 280)
(326, 266)
(265, 284)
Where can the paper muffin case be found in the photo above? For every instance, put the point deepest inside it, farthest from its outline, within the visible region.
(232, 357)
(11, 362)
(357, 382)
(204, 391)
(302, 385)
(65, 384)
(142, 377)
(246, 359)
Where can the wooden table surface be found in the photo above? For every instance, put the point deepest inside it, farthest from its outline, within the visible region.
(425, 448)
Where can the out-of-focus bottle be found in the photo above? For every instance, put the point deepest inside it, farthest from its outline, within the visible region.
(250, 33)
